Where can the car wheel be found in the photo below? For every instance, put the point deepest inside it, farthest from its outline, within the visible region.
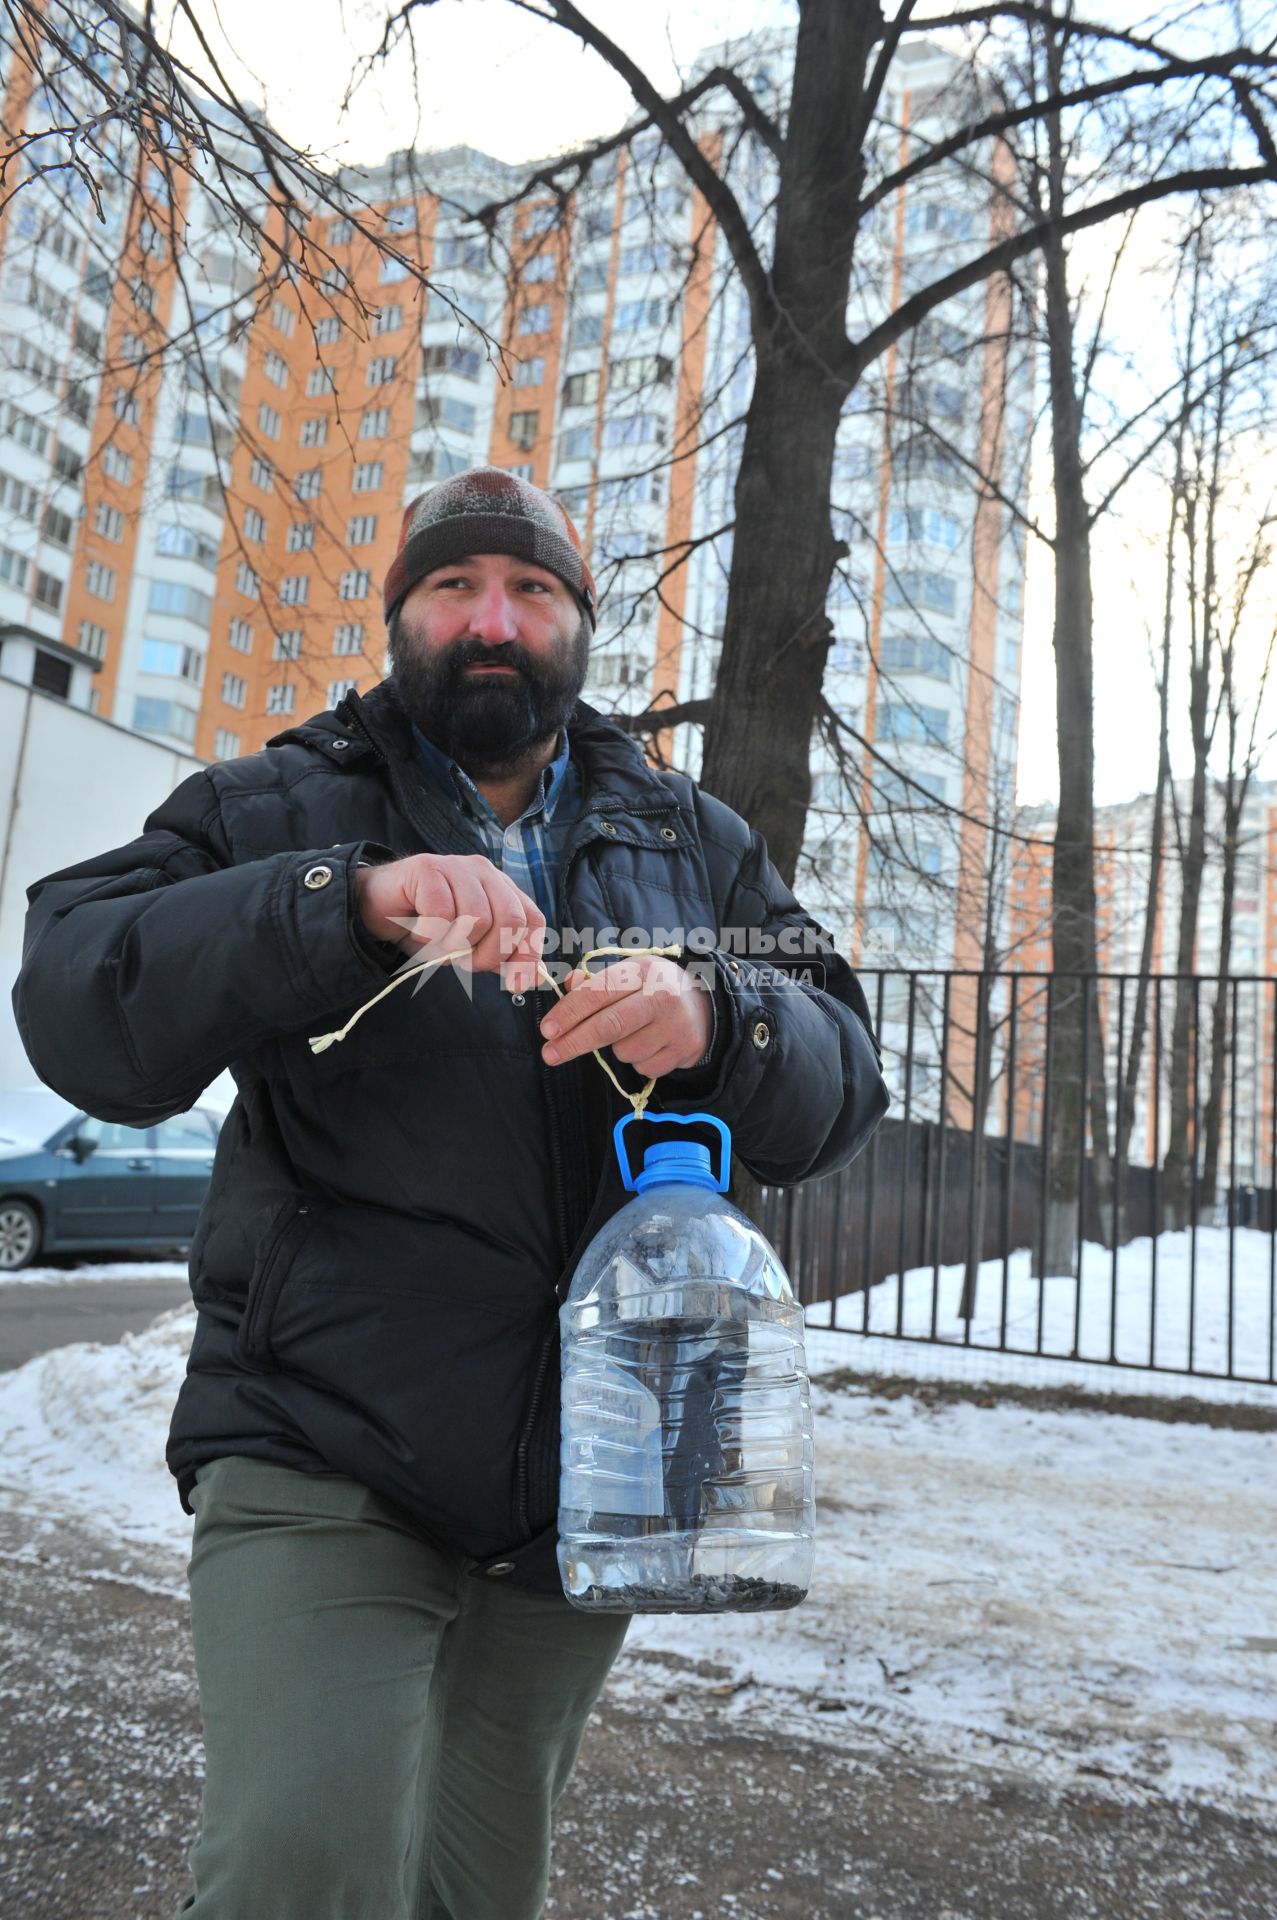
(20, 1235)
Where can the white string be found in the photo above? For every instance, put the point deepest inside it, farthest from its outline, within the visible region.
(321, 1042)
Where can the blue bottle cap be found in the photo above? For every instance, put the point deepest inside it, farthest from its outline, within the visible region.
(681, 1163)
(696, 1172)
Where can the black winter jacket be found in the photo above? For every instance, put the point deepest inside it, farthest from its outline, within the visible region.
(391, 1224)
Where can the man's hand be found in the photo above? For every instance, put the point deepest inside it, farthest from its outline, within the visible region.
(653, 1015)
(444, 901)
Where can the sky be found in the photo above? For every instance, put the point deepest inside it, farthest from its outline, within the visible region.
(491, 76)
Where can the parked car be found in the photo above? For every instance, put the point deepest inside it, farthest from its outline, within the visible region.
(72, 1183)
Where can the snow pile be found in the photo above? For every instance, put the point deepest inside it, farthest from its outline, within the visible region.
(1185, 1322)
(82, 1272)
(1064, 1593)
(83, 1428)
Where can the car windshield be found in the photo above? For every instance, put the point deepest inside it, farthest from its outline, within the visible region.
(29, 1115)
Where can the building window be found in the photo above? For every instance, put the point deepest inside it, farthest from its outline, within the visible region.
(254, 525)
(125, 407)
(349, 637)
(353, 584)
(528, 373)
(117, 465)
(362, 530)
(368, 476)
(542, 267)
(59, 527)
(929, 726)
(381, 370)
(314, 432)
(171, 658)
(542, 219)
(48, 590)
(13, 568)
(392, 270)
(91, 639)
(294, 590)
(465, 361)
(338, 689)
(327, 331)
(524, 428)
(320, 380)
(226, 745)
(521, 472)
(640, 370)
(340, 233)
(375, 424)
(534, 320)
(184, 603)
(269, 421)
(283, 317)
(577, 443)
(262, 474)
(241, 636)
(300, 537)
(633, 315)
(632, 430)
(581, 389)
(100, 580)
(403, 218)
(445, 409)
(281, 699)
(309, 485)
(276, 370)
(909, 587)
(234, 690)
(164, 716)
(587, 329)
(287, 646)
(387, 320)
(246, 581)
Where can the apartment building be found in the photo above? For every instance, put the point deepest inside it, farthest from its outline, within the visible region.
(203, 477)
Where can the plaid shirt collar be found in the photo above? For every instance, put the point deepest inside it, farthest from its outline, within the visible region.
(530, 849)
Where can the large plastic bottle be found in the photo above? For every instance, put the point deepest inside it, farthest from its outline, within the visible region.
(687, 1475)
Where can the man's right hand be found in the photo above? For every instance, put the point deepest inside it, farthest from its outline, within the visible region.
(446, 901)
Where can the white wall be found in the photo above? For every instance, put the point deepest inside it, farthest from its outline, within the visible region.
(71, 785)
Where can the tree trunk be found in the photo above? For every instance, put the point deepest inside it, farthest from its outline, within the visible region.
(1077, 1060)
(776, 634)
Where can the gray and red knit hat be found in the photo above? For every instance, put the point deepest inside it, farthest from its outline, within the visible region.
(487, 511)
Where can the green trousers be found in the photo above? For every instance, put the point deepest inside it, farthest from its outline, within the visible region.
(385, 1736)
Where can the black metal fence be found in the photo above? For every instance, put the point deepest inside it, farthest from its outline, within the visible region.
(1074, 1166)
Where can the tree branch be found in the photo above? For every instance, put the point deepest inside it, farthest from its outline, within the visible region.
(874, 344)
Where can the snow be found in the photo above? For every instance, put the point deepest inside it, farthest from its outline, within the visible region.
(82, 1271)
(1077, 1595)
(1112, 1354)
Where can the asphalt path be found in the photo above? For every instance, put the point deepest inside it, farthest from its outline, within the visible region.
(673, 1813)
(38, 1315)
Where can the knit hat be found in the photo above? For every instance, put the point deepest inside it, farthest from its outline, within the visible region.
(487, 511)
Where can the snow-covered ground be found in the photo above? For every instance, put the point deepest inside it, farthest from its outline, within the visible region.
(1067, 1593)
(1073, 1323)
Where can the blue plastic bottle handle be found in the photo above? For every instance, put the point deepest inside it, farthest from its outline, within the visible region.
(673, 1120)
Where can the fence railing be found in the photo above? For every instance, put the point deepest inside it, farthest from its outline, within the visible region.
(1074, 1166)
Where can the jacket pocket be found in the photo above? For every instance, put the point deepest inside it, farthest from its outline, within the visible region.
(287, 1228)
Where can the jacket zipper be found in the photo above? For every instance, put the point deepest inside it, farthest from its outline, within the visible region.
(553, 1100)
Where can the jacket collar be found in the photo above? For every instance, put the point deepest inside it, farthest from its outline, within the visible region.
(617, 776)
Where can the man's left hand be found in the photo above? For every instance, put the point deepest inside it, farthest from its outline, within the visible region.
(648, 1011)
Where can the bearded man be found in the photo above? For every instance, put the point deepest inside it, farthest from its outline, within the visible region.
(392, 1683)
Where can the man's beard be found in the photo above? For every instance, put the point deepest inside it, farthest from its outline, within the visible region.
(493, 725)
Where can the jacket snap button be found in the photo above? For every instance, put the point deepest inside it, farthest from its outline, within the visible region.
(518, 999)
(339, 746)
(762, 1034)
(501, 1566)
(668, 833)
(733, 966)
(317, 877)
(607, 826)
